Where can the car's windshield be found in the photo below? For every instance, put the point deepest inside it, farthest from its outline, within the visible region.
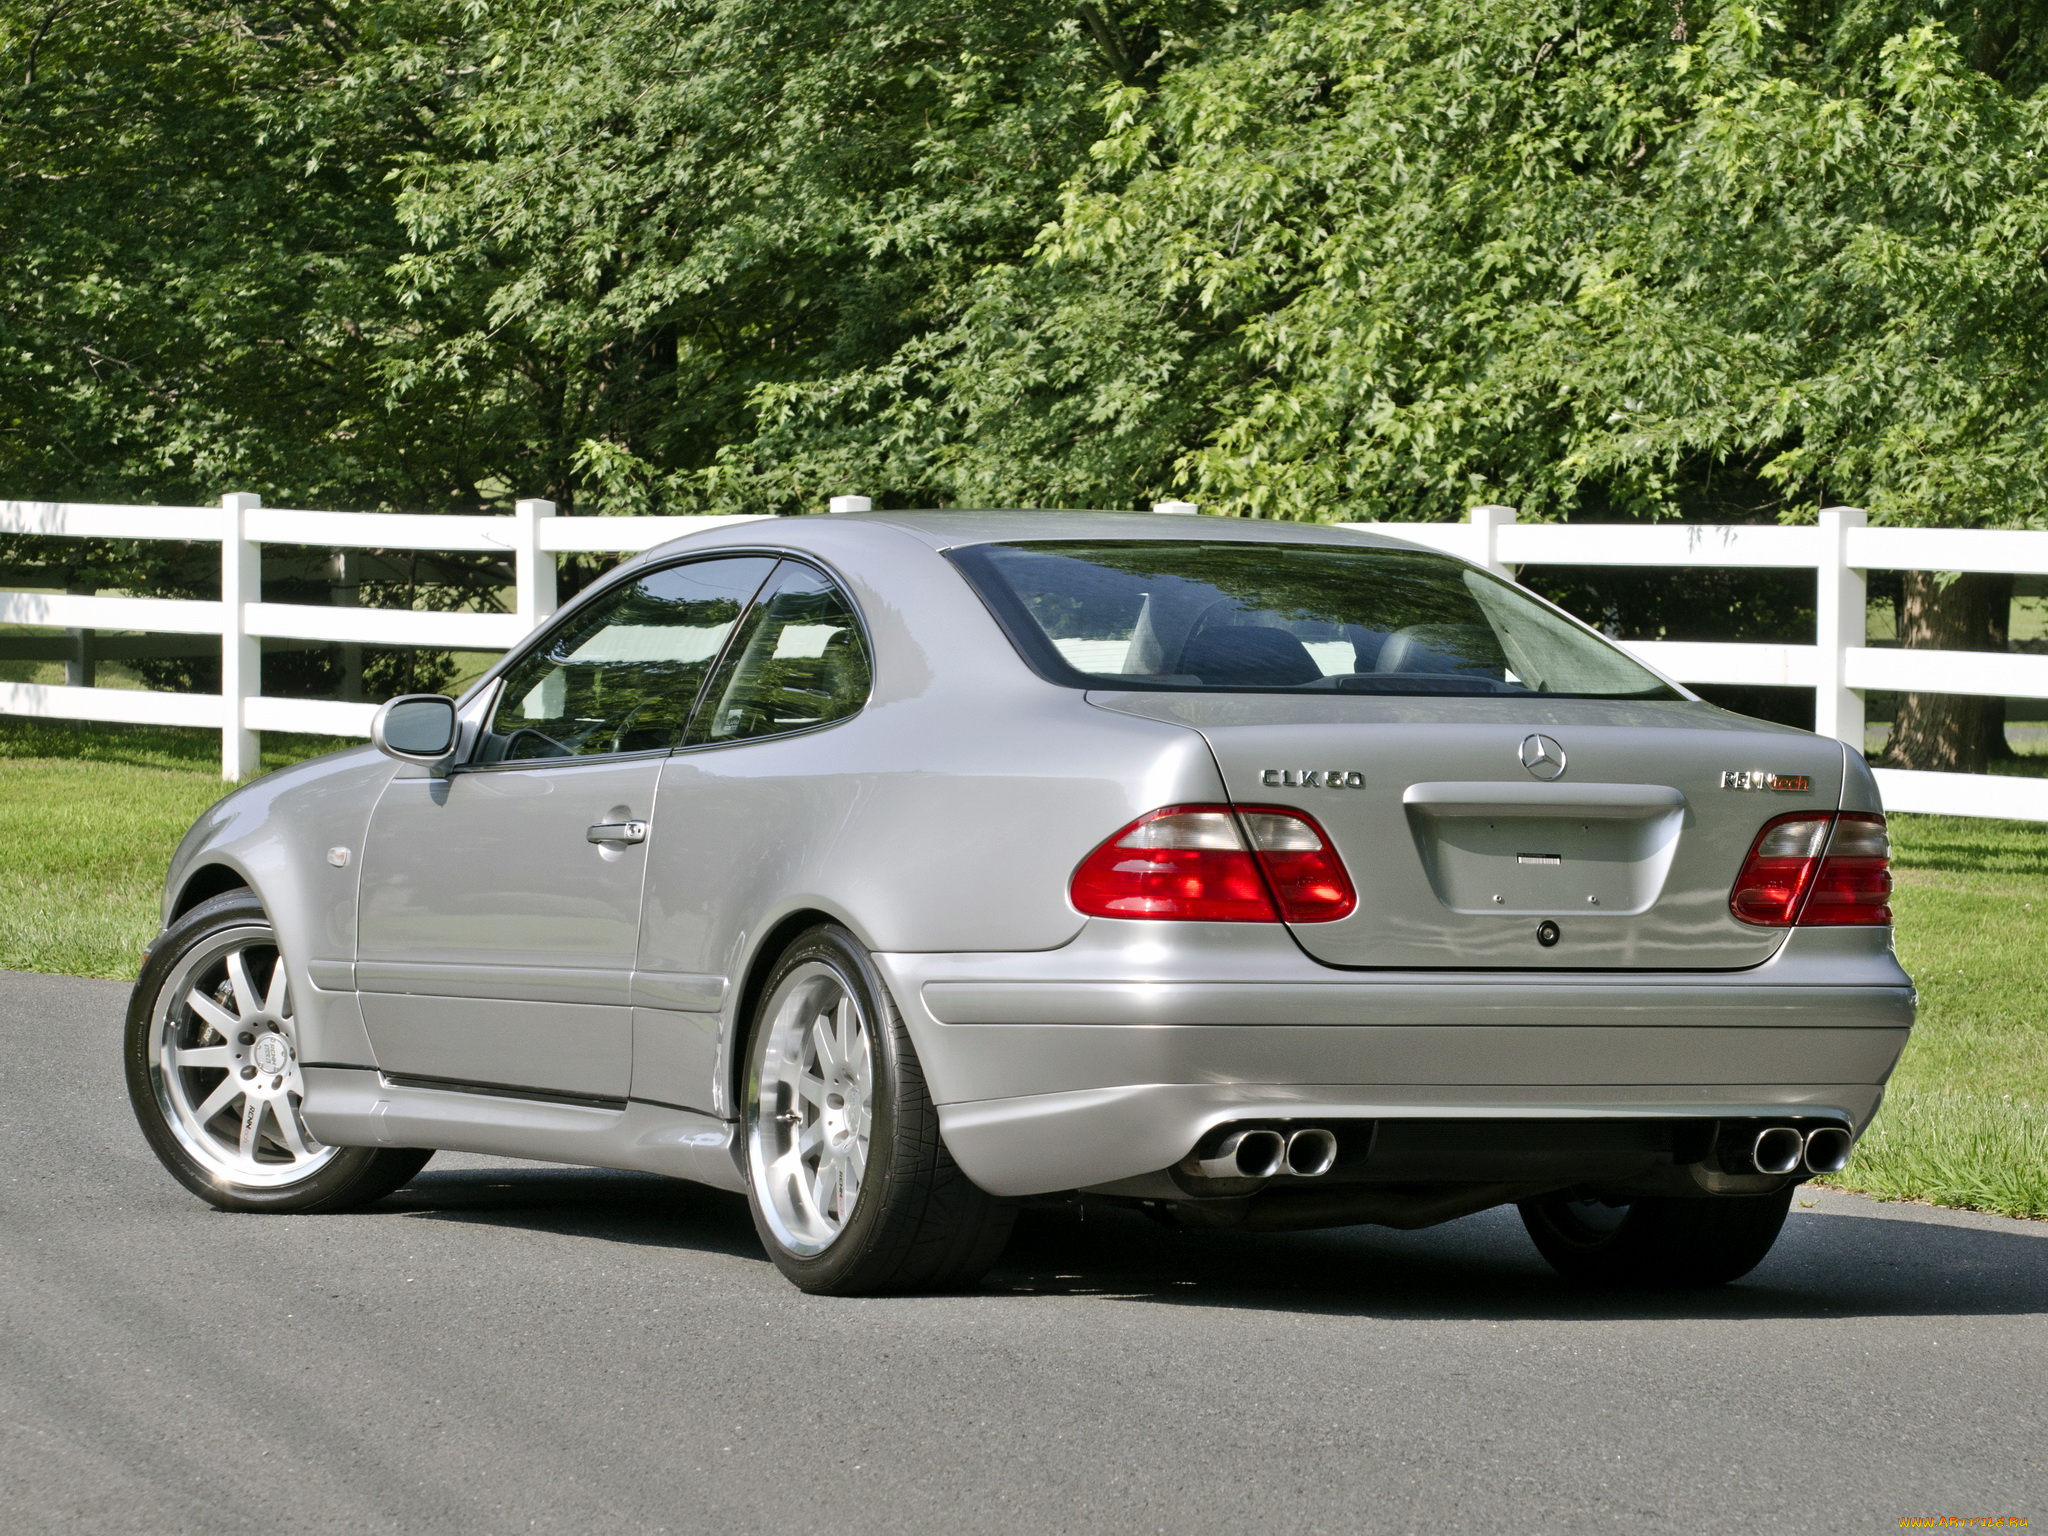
(1183, 614)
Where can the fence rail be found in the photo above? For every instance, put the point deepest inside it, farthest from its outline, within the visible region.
(241, 620)
(1838, 666)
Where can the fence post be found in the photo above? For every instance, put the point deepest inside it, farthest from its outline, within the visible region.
(1488, 522)
(80, 667)
(533, 567)
(346, 591)
(241, 653)
(1840, 626)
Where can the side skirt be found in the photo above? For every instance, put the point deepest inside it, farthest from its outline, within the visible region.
(357, 1107)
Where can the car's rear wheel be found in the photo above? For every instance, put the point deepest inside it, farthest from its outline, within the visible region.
(852, 1189)
(212, 1059)
(1659, 1243)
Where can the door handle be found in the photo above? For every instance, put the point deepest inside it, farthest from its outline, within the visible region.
(617, 832)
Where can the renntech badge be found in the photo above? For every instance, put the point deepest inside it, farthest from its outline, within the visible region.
(1764, 778)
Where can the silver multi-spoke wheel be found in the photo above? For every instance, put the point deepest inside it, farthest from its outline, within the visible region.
(1597, 1218)
(811, 1115)
(223, 1056)
(852, 1189)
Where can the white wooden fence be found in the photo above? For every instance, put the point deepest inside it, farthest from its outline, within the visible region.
(242, 525)
(1838, 665)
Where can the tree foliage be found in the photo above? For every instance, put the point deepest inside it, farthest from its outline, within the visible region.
(1395, 259)
(1292, 260)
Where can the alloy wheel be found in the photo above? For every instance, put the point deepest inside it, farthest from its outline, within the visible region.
(811, 1114)
(1597, 1219)
(224, 1060)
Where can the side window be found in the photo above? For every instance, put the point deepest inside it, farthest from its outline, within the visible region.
(621, 674)
(799, 660)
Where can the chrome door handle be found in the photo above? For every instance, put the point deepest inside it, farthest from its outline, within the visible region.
(617, 832)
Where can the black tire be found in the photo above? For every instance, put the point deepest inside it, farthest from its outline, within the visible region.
(336, 1178)
(1657, 1244)
(917, 1223)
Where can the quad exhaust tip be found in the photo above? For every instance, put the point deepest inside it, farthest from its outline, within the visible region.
(1827, 1149)
(1782, 1149)
(1778, 1149)
(1266, 1154)
(1311, 1153)
(1247, 1155)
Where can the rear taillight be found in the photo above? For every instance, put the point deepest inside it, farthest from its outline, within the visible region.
(1816, 871)
(1779, 870)
(1855, 881)
(1186, 861)
(1307, 877)
(1201, 863)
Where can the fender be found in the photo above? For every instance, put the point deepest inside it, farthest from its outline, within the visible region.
(275, 837)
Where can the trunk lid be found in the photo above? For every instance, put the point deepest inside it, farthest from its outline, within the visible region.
(1461, 853)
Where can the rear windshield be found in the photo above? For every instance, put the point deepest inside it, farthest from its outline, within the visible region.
(1231, 617)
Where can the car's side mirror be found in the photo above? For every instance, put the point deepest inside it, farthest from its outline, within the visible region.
(416, 728)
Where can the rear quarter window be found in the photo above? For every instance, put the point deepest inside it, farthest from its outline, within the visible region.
(798, 661)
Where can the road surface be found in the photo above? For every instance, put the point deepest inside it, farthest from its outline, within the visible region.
(507, 1347)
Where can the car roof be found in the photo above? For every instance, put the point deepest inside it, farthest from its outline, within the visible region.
(821, 533)
(952, 529)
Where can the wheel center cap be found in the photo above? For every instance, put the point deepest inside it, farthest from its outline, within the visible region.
(270, 1054)
(841, 1108)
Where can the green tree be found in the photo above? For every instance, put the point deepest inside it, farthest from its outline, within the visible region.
(667, 217)
(1594, 260)
(197, 219)
(197, 226)
(1295, 260)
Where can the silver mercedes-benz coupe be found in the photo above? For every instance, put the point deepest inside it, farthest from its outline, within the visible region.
(899, 869)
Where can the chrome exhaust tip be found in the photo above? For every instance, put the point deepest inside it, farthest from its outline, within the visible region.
(1828, 1149)
(1311, 1153)
(1246, 1155)
(1778, 1149)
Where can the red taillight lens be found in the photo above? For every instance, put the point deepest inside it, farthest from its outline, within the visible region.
(1185, 861)
(1191, 863)
(1812, 870)
(1308, 878)
(1779, 870)
(1855, 881)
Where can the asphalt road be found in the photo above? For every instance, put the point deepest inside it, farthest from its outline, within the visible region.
(506, 1347)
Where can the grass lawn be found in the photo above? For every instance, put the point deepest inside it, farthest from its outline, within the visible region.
(1966, 1118)
(89, 816)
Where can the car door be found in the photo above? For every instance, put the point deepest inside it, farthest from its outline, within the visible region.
(753, 796)
(500, 905)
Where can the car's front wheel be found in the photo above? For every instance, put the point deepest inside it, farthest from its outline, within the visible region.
(853, 1192)
(1660, 1243)
(212, 1058)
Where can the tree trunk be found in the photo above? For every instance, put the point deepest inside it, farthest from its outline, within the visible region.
(1951, 732)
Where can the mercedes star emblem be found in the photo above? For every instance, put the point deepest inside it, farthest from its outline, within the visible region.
(1543, 757)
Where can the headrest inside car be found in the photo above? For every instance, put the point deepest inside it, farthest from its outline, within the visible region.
(1249, 656)
(1439, 648)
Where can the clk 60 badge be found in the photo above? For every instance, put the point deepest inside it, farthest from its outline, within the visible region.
(1311, 778)
(1759, 778)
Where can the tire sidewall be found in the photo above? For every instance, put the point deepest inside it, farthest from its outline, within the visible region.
(835, 947)
(334, 1180)
(1663, 1243)
(1560, 1228)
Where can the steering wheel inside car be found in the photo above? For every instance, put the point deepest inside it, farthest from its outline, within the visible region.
(513, 752)
(625, 726)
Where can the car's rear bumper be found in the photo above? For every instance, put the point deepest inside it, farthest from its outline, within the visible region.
(1110, 1057)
